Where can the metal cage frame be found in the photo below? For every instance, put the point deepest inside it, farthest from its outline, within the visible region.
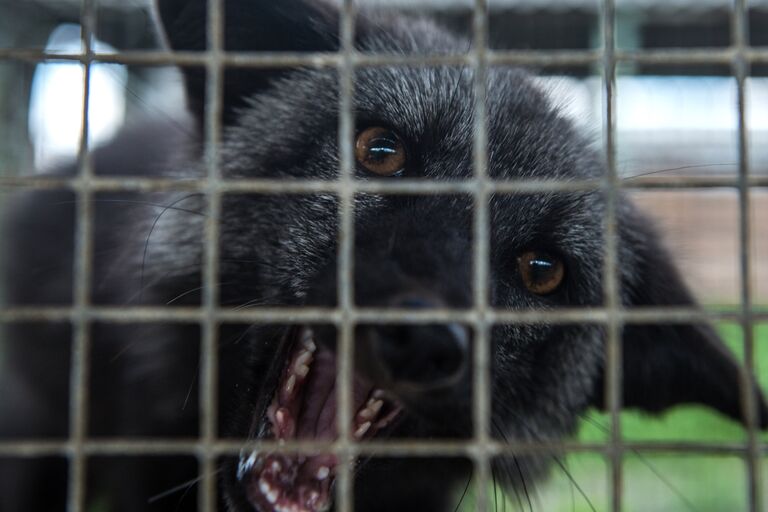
(482, 448)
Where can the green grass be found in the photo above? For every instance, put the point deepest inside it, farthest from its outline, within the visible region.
(654, 482)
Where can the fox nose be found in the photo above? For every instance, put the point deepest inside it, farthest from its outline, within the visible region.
(422, 356)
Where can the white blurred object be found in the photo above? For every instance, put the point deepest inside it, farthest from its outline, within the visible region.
(56, 103)
(671, 120)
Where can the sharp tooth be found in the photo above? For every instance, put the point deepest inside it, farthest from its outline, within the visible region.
(304, 359)
(378, 393)
(308, 340)
(375, 406)
(284, 423)
(302, 371)
(371, 409)
(272, 496)
(362, 429)
(365, 414)
(290, 385)
(322, 472)
(310, 345)
(276, 466)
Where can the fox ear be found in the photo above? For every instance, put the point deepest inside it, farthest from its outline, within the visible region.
(669, 364)
(249, 26)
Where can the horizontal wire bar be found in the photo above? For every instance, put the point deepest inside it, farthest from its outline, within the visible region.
(405, 186)
(412, 447)
(545, 58)
(309, 314)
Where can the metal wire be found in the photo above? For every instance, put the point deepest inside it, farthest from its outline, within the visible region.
(83, 265)
(210, 327)
(539, 58)
(740, 67)
(482, 448)
(481, 396)
(411, 186)
(596, 315)
(345, 272)
(417, 448)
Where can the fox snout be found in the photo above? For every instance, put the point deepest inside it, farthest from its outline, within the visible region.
(416, 359)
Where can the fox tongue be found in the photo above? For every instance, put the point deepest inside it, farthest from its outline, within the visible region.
(317, 416)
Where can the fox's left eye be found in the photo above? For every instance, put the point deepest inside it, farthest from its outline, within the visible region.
(541, 272)
(380, 151)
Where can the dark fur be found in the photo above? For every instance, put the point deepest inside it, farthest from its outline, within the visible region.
(282, 251)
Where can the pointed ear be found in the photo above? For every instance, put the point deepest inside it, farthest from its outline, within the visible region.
(669, 364)
(249, 26)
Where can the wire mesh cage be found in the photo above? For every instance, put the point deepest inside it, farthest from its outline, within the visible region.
(607, 46)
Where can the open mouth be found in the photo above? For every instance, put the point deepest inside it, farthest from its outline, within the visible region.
(304, 407)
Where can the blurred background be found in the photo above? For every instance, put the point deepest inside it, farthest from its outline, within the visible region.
(672, 120)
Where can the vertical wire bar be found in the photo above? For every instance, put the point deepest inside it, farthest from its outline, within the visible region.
(345, 271)
(613, 368)
(482, 399)
(209, 349)
(79, 372)
(740, 67)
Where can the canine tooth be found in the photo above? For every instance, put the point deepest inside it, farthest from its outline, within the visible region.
(322, 472)
(309, 344)
(285, 423)
(272, 496)
(375, 406)
(290, 385)
(302, 371)
(276, 466)
(362, 429)
(371, 409)
(304, 359)
(308, 340)
(378, 393)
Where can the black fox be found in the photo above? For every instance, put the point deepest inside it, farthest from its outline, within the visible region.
(411, 251)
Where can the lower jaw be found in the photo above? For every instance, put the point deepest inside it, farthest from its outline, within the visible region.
(294, 483)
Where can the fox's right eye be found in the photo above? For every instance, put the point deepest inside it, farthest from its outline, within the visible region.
(380, 151)
(541, 272)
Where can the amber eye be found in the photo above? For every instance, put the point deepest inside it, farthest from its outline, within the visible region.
(380, 151)
(542, 272)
